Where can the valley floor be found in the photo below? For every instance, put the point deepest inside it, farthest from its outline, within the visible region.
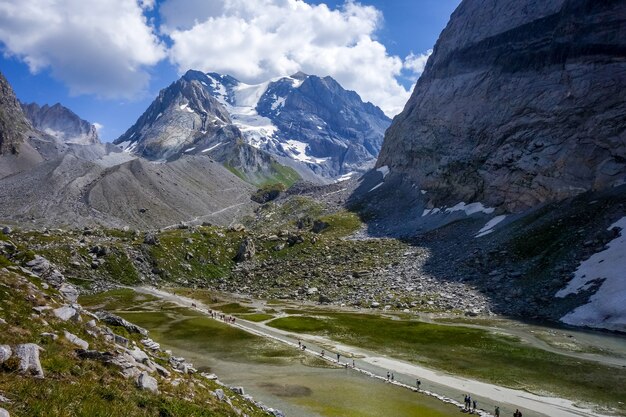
(443, 385)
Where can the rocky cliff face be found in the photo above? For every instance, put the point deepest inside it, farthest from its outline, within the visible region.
(522, 102)
(306, 122)
(13, 124)
(62, 123)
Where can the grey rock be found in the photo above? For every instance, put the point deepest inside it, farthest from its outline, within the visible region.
(151, 239)
(28, 355)
(7, 230)
(516, 126)
(4, 413)
(5, 353)
(161, 370)
(114, 320)
(148, 383)
(219, 393)
(72, 338)
(13, 124)
(246, 250)
(66, 313)
(238, 390)
(50, 336)
(139, 355)
(69, 292)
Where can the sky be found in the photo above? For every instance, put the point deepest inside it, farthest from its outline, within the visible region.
(107, 59)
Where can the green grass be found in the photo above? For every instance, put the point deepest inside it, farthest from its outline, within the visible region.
(256, 317)
(122, 298)
(185, 330)
(233, 308)
(470, 352)
(341, 224)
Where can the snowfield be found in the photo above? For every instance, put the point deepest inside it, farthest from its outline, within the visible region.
(606, 309)
(488, 228)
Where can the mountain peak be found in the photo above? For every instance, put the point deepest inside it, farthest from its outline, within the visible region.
(300, 76)
(62, 123)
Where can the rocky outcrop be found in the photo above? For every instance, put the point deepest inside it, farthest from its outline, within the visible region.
(28, 356)
(62, 123)
(246, 250)
(522, 102)
(13, 125)
(114, 320)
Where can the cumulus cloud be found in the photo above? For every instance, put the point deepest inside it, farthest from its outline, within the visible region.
(415, 63)
(95, 47)
(258, 40)
(98, 126)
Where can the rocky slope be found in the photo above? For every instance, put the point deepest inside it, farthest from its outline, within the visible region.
(48, 180)
(521, 103)
(13, 124)
(306, 122)
(62, 123)
(100, 185)
(93, 364)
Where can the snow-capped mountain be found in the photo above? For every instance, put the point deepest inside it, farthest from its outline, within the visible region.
(309, 123)
(62, 123)
(185, 119)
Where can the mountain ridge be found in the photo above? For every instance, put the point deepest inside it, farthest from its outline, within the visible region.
(312, 122)
(61, 122)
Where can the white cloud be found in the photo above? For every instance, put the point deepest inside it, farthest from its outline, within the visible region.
(99, 47)
(416, 63)
(257, 40)
(98, 126)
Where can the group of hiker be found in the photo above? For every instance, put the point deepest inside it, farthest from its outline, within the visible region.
(470, 404)
(221, 316)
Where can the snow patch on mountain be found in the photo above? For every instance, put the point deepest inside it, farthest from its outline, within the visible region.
(491, 224)
(606, 308)
(468, 209)
(297, 150)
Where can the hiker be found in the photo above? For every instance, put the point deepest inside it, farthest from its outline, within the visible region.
(322, 353)
(497, 411)
(517, 413)
(474, 405)
(353, 364)
(418, 383)
(338, 356)
(392, 377)
(299, 344)
(388, 375)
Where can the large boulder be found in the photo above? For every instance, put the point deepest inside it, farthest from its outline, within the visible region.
(72, 338)
(148, 383)
(114, 320)
(28, 355)
(66, 313)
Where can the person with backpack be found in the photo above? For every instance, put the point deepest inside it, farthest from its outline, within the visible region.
(497, 411)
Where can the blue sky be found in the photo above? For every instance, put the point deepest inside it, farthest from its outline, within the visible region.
(109, 73)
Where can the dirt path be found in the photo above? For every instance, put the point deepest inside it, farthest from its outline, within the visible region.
(447, 387)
